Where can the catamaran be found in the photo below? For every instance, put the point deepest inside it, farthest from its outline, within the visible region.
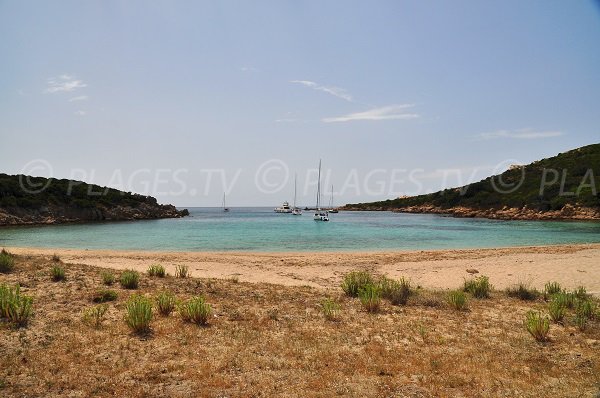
(320, 215)
(225, 208)
(295, 210)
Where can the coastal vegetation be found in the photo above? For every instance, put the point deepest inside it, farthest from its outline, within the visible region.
(130, 279)
(58, 273)
(261, 333)
(39, 200)
(157, 270)
(561, 183)
(7, 262)
(104, 295)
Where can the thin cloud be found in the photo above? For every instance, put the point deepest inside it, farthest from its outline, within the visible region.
(80, 98)
(248, 69)
(522, 134)
(331, 90)
(64, 83)
(390, 112)
(81, 113)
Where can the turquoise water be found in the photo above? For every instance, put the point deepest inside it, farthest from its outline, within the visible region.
(260, 229)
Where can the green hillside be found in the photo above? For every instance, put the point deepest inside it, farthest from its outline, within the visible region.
(571, 178)
(18, 191)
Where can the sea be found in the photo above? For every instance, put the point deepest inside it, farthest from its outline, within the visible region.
(260, 229)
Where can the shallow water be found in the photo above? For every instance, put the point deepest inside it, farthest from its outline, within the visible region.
(260, 229)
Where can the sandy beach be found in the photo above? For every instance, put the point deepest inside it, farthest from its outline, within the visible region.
(571, 265)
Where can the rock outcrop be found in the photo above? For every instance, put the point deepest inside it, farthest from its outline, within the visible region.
(68, 214)
(568, 212)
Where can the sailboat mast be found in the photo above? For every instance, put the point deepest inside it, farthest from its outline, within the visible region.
(295, 178)
(319, 185)
(331, 200)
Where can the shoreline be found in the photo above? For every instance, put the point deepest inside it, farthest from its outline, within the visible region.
(571, 265)
(568, 213)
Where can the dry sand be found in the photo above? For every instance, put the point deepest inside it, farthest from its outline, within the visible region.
(571, 265)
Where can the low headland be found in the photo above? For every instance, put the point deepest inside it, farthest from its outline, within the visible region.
(26, 200)
(562, 187)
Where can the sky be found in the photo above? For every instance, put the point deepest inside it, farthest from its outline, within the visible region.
(188, 100)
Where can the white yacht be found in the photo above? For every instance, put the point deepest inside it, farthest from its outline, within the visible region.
(320, 215)
(284, 208)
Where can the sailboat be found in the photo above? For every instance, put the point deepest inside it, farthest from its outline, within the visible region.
(320, 215)
(225, 208)
(331, 208)
(295, 210)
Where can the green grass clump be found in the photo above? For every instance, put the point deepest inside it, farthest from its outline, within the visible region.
(15, 307)
(182, 271)
(522, 291)
(580, 293)
(586, 309)
(104, 295)
(138, 314)
(370, 297)
(195, 310)
(457, 300)
(165, 302)
(130, 279)
(557, 309)
(7, 262)
(537, 325)
(397, 292)
(57, 273)
(566, 299)
(552, 288)
(108, 278)
(355, 281)
(479, 287)
(157, 270)
(330, 309)
(95, 315)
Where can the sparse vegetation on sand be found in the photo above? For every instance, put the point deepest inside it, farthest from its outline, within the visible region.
(355, 281)
(14, 306)
(104, 295)
(272, 340)
(7, 262)
(537, 325)
(195, 310)
(522, 291)
(396, 291)
(370, 297)
(479, 287)
(330, 309)
(138, 313)
(108, 278)
(157, 270)
(457, 300)
(130, 279)
(165, 302)
(94, 315)
(57, 273)
(182, 271)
